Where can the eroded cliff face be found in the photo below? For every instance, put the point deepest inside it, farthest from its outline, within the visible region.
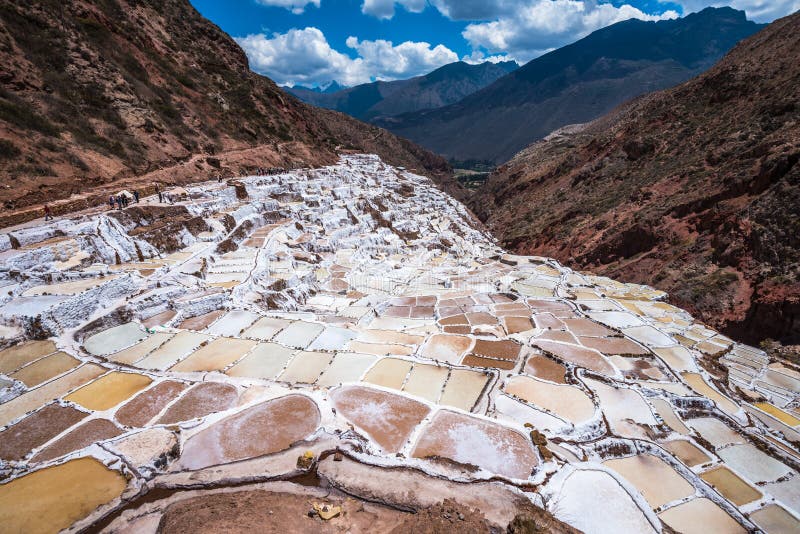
(693, 190)
(108, 93)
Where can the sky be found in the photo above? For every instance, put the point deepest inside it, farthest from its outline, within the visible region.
(314, 42)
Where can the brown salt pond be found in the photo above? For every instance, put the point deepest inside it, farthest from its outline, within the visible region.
(477, 361)
(215, 356)
(159, 319)
(15, 357)
(447, 348)
(774, 519)
(463, 389)
(580, 356)
(109, 390)
(75, 440)
(548, 321)
(200, 322)
(543, 367)
(559, 309)
(700, 516)
(145, 406)
(502, 350)
(199, 401)
(266, 361)
(568, 402)
(731, 486)
(43, 370)
(687, 453)
(265, 428)
(656, 481)
(387, 418)
(515, 325)
(43, 394)
(37, 429)
(471, 441)
(54, 498)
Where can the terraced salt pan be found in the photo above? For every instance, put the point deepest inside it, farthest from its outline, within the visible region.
(346, 367)
(666, 412)
(215, 356)
(200, 322)
(200, 400)
(389, 372)
(137, 352)
(446, 348)
(109, 390)
(472, 441)
(387, 418)
(178, 347)
(625, 409)
(22, 354)
(265, 428)
(700, 516)
(731, 486)
(114, 339)
(615, 319)
(509, 409)
(697, 383)
(655, 479)
(715, 431)
(582, 499)
(463, 389)
(306, 367)
(36, 429)
(687, 453)
(40, 396)
(68, 288)
(752, 463)
(380, 349)
(84, 435)
(649, 336)
(299, 334)
(265, 328)
(146, 405)
(31, 306)
(54, 498)
(579, 356)
(678, 358)
(787, 492)
(46, 368)
(773, 519)
(233, 323)
(567, 402)
(779, 414)
(265, 361)
(426, 381)
(332, 338)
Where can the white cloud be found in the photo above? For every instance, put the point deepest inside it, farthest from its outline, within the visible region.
(295, 6)
(528, 28)
(757, 10)
(384, 9)
(305, 57)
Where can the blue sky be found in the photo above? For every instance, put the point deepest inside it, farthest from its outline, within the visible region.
(313, 42)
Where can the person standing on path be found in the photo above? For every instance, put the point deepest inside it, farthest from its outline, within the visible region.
(47, 215)
(111, 202)
(160, 195)
(136, 195)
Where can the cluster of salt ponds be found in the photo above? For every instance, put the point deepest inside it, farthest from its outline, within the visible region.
(410, 340)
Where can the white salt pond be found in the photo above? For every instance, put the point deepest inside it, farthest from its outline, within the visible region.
(114, 339)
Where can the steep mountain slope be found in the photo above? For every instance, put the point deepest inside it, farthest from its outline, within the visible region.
(575, 84)
(443, 86)
(94, 94)
(694, 190)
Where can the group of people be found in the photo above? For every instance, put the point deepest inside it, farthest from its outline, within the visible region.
(261, 171)
(121, 200)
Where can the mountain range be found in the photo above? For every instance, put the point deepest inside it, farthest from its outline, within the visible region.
(574, 84)
(97, 95)
(694, 190)
(443, 86)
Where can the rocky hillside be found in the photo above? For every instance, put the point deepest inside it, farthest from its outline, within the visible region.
(575, 84)
(445, 85)
(694, 190)
(100, 94)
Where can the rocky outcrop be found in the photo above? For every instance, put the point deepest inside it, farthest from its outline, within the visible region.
(97, 95)
(693, 190)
